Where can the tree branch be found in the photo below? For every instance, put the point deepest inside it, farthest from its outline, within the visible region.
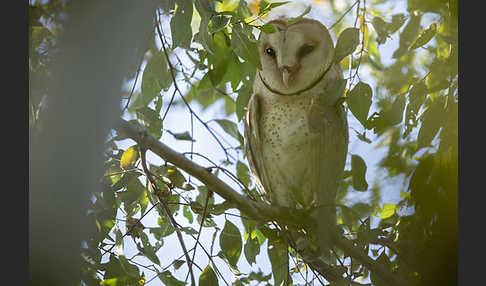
(256, 210)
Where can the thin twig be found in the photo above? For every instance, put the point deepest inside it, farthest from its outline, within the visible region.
(167, 210)
(342, 16)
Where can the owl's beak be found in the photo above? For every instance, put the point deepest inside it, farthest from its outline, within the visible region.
(286, 76)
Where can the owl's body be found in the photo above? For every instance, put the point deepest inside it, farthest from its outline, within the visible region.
(296, 146)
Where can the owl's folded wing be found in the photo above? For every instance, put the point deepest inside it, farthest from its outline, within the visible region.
(253, 146)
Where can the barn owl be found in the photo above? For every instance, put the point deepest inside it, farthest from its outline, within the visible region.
(297, 146)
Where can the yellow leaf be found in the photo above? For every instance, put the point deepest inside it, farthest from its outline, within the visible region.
(387, 211)
(129, 157)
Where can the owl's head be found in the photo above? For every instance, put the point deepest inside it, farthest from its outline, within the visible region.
(296, 56)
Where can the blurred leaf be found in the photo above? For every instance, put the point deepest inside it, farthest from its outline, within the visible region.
(387, 211)
(381, 28)
(150, 120)
(129, 157)
(395, 114)
(407, 35)
(359, 101)
(230, 242)
(265, 7)
(219, 62)
(219, 22)
(244, 47)
(244, 94)
(346, 44)
(156, 76)
(424, 37)
(148, 249)
(243, 173)
(181, 136)
(431, 123)
(268, 28)
(178, 263)
(277, 252)
(188, 214)
(231, 128)
(169, 280)
(358, 171)
(208, 277)
(204, 37)
(252, 249)
(297, 19)
(397, 21)
(180, 24)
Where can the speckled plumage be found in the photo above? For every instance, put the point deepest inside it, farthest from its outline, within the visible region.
(295, 163)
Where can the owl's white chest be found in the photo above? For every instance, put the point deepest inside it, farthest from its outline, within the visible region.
(286, 140)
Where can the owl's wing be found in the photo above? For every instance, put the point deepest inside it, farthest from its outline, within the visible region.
(327, 158)
(253, 146)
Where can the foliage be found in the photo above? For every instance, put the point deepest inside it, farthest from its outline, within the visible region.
(407, 101)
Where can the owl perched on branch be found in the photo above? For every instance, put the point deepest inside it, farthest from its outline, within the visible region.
(296, 135)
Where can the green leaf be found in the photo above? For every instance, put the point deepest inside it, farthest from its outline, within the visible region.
(380, 27)
(265, 7)
(221, 208)
(407, 35)
(297, 19)
(169, 280)
(387, 211)
(431, 122)
(242, 10)
(358, 171)
(150, 120)
(148, 249)
(156, 76)
(188, 214)
(129, 269)
(204, 37)
(424, 37)
(244, 47)
(359, 101)
(268, 28)
(395, 114)
(219, 22)
(334, 90)
(181, 136)
(243, 173)
(231, 128)
(346, 44)
(244, 94)
(252, 249)
(230, 242)
(397, 21)
(208, 277)
(277, 252)
(219, 62)
(180, 24)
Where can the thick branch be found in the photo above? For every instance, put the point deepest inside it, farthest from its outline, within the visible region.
(259, 211)
(251, 208)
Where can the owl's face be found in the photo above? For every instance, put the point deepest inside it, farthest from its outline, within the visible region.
(295, 57)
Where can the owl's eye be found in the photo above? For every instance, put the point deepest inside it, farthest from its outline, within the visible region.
(305, 49)
(270, 52)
